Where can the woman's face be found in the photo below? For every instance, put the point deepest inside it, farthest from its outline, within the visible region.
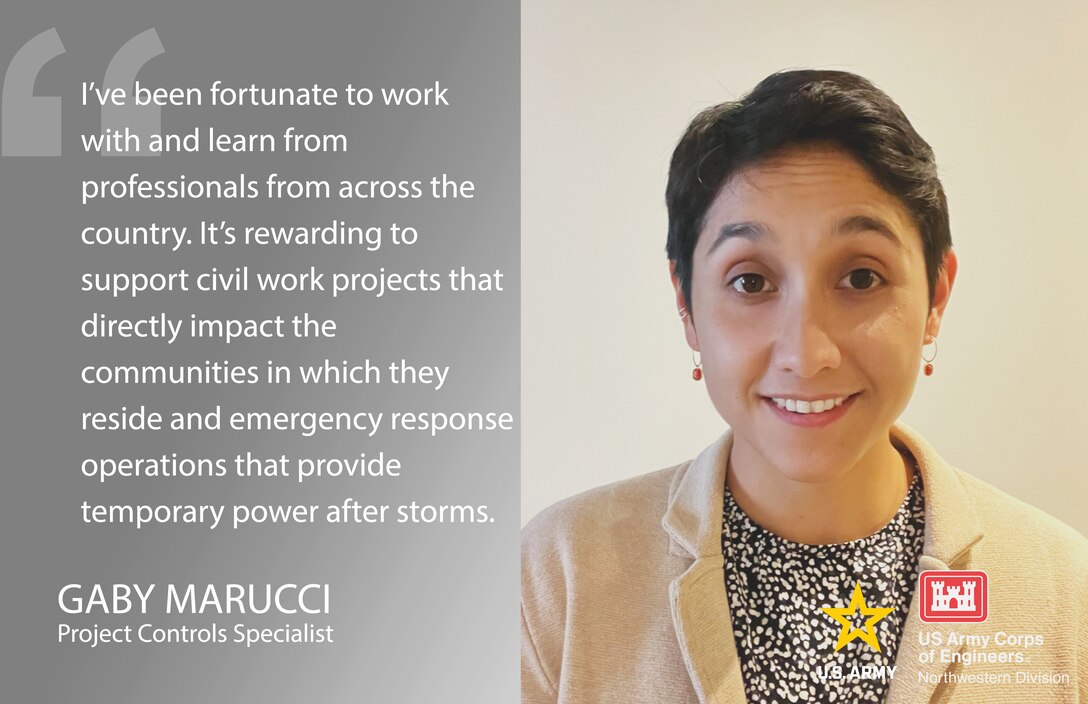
(809, 309)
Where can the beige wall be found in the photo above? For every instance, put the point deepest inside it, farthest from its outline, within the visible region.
(999, 94)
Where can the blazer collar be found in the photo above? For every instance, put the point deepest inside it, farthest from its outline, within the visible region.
(700, 607)
(952, 527)
(694, 514)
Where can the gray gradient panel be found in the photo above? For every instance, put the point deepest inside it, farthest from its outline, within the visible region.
(421, 612)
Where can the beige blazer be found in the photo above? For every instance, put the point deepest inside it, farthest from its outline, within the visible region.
(623, 597)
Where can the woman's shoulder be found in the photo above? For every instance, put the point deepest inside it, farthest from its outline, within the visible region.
(595, 575)
(1012, 533)
(1001, 509)
(1023, 531)
(629, 506)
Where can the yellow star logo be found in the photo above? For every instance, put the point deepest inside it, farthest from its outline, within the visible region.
(848, 632)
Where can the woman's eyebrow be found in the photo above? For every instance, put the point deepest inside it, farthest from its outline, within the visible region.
(749, 229)
(852, 225)
(867, 223)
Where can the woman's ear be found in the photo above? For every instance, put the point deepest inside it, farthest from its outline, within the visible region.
(682, 308)
(941, 293)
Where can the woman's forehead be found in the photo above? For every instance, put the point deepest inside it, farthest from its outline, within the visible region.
(812, 189)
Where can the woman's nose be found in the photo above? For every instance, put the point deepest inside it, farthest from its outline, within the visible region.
(805, 344)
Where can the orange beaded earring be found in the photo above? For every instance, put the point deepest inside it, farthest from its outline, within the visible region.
(697, 372)
(928, 359)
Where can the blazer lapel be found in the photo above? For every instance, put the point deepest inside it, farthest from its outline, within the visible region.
(700, 608)
(951, 529)
(700, 612)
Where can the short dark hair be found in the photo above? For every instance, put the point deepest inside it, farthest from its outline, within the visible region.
(795, 108)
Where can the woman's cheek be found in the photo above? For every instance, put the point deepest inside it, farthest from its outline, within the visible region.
(890, 351)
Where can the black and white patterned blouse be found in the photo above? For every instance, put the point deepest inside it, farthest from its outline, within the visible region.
(777, 588)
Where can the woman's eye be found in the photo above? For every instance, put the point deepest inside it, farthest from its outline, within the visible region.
(751, 283)
(861, 279)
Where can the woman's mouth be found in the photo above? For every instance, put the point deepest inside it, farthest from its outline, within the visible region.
(800, 406)
(810, 412)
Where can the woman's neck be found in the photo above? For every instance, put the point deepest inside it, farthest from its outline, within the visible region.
(850, 506)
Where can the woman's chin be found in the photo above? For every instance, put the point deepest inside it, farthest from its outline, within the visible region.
(806, 459)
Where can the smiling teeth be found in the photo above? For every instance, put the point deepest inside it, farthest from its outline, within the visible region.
(795, 406)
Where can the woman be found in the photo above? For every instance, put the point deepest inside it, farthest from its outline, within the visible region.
(811, 259)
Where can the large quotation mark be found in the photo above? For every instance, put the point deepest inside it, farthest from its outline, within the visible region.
(141, 120)
(31, 125)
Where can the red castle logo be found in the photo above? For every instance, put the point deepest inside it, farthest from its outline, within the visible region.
(953, 596)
